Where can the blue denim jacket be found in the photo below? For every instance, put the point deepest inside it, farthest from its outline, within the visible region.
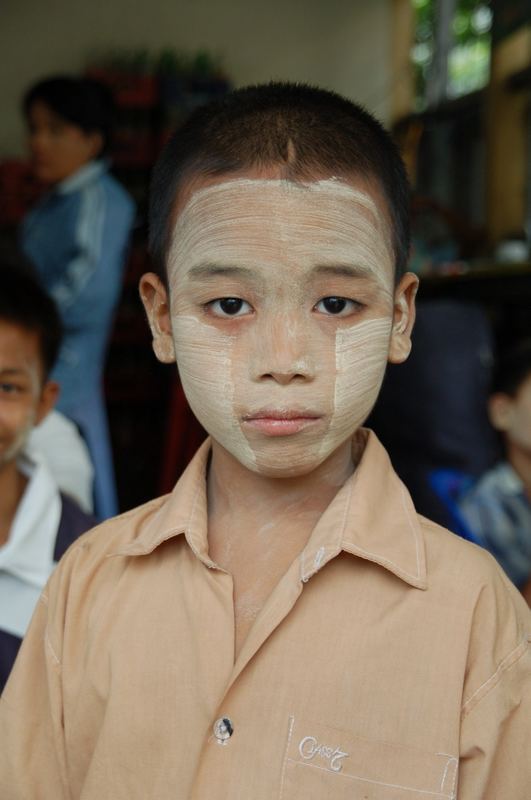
(77, 239)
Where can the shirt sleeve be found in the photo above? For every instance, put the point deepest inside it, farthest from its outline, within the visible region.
(67, 288)
(495, 751)
(32, 752)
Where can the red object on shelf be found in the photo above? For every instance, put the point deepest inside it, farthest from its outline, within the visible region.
(133, 148)
(19, 191)
(131, 90)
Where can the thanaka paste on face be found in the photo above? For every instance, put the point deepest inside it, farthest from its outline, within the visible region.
(361, 358)
(32, 373)
(284, 360)
(205, 368)
(15, 449)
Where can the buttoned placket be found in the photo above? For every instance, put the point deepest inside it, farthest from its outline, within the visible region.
(222, 740)
(225, 726)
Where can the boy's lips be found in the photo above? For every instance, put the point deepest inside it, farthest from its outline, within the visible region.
(275, 422)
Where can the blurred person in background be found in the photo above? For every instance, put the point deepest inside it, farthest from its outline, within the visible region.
(58, 439)
(37, 520)
(432, 412)
(77, 238)
(67, 455)
(497, 509)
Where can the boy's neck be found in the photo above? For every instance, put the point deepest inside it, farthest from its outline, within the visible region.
(257, 526)
(520, 461)
(12, 486)
(235, 491)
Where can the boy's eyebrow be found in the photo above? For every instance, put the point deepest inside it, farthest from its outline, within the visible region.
(8, 372)
(202, 271)
(344, 270)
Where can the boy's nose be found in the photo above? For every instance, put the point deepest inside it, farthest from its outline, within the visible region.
(301, 371)
(283, 355)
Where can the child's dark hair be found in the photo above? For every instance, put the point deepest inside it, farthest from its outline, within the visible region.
(512, 368)
(24, 302)
(85, 102)
(310, 133)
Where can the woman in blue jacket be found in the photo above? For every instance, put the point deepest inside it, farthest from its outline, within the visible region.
(77, 239)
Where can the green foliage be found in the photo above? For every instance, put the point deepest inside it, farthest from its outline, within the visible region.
(469, 56)
(168, 62)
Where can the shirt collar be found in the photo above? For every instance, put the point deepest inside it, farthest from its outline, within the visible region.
(184, 511)
(507, 479)
(83, 176)
(28, 552)
(372, 516)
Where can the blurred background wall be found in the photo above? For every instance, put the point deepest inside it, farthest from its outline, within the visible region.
(340, 44)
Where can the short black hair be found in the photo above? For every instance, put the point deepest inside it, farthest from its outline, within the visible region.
(84, 102)
(24, 302)
(512, 368)
(307, 131)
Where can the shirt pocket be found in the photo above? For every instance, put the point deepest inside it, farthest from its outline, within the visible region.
(325, 763)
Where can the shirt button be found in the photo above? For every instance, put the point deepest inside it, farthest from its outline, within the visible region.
(223, 729)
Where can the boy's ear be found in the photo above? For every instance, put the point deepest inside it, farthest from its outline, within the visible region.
(403, 318)
(47, 400)
(499, 410)
(157, 304)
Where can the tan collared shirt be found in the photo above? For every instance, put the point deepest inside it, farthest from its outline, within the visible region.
(391, 662)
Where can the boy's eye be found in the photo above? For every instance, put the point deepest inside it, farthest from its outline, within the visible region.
(9, 388)
(229, 307)
(337, 306)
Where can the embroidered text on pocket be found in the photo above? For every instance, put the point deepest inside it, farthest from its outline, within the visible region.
(322, 762)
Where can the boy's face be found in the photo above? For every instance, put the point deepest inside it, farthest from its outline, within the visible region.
(282, 316)
(512, 416)
(58, 147)
(24, 400)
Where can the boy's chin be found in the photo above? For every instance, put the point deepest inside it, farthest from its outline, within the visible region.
(283, 457)
(284, 470)
(283, 465)
(9, 460)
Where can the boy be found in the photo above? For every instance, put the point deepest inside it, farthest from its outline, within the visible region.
(498, 508)
(37, 522)
(282, 625)
(77, 238)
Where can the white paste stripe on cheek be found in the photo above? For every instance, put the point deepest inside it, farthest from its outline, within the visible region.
(204, 359)
(360, 352)
(361, 358)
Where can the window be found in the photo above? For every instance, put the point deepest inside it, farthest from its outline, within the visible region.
(451, 51)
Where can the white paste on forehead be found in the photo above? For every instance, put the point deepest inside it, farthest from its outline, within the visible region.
(331, 186)
(297, 223)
